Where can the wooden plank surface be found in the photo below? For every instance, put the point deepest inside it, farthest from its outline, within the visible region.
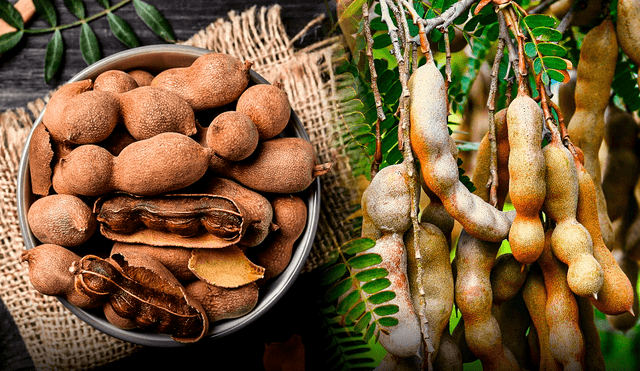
(22, 68)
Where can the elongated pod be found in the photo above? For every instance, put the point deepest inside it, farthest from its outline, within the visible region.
(626, 321)
(439, 170)
(593, 359)
(387, 200)
(627, 29)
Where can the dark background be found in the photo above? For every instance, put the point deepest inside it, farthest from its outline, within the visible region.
(22, 81)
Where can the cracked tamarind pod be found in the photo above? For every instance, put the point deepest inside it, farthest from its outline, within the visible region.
(571, 242)
(473, 295)
(526, 177)
(561, 311)
(598, 56)
(437, 279)
(430, 141)
(616, 294)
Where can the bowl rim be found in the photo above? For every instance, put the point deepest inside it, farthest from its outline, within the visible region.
(269, 294)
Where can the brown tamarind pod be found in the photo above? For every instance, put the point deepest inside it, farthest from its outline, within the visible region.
(481, 174)
(593, 359)
(474, 259)
(459, 338)
(616, 294)
(40, 163)
(527, 187)
(507, 277)
(449, 357)
(143, 290)
(626, 321)
(571, 242)
(585, 12)
(627, 29)
(566, 96)
(436, 214)
(430, 142)
(175, 259)
(388, 200)
(565, 338)
(533, 361)
(534, 294)
(514, 320)
(437, 279)
(596, 68)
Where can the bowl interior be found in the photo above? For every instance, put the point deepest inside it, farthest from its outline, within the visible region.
(155, 59)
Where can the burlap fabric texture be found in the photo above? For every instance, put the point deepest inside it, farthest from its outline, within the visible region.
(55, 338)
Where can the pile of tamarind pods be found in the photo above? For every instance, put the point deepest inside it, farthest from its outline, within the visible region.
(573, 234)
(155, 218)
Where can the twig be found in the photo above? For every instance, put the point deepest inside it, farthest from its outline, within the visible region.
(511, 22)
(447, 17)
(566, 20)
(512, 52)
(377, 158)
(491, 106)
(447, 68)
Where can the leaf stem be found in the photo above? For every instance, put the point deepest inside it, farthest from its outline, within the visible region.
(80, 21)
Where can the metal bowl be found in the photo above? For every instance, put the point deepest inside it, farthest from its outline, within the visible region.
(155, 59)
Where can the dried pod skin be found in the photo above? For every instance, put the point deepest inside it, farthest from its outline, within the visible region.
(142, 77)
(268, 107)
(148, 111)
(50, 275)
(175, 259)
(526, 178)
(170, 220)
(627, 29)
(507, 277)
(79, 115)
(144, 291)
(279, 165)
(40, 157)
(430, 142)
(232, 135)
(85, 171)
(163, 163)
(61, 220)
(388, 200)
(213, 80)
(114, 81)
(437, 279)
(290, 215)
(221, 303)
(115, 319)
(226, 267)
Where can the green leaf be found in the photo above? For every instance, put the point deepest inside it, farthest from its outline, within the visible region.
(382, 297)
(546, 34)
(493, 31)
(89, 44)
(530, 50)
(357, 245)
(556, 63)
(104, 3)
(351, 10)
(376, 285)
(557, 75)
(10, 40)
(388, 321)
(364, 261)
(369, 333)
(357, 311)
(363, 322)
(53, 58)
(552, 49)
(154, 20)
(46, 11)
(333, 274)
(537, 66)
(545, 78)
(122, 30)
(382, 40)
(372, 274)
(338, 289)
(11, 15)
(540, 20)
(348, 302)
(386, 310)
(76, 7)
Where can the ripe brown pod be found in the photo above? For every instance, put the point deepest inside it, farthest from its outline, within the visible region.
(268, 107)
(627, 29)
(232, 135)
(142, 77)
(175, 259)
(221, 302)
(62, 220)
(388, 200)
(40, 157)
(115, 81)
(87, 171)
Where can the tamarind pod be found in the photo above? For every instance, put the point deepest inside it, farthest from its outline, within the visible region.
(435, 213)
(474, 259)
(626, 321)
(449, 357)
(507, 277)
(526, 178)
(627, 29)
(533, 360)
(405, 338)
(566, 96)
(481, 174)
(514, 321)
(391, 362)
(534, 294)
(571, 242)
(598, 56)
(584, 13)
(369, 230)
(561, 311)
(143, 290)
(459, 338)
(616, 294)
(593, 359)
(430, 141)
(387, 200)
(437, 279)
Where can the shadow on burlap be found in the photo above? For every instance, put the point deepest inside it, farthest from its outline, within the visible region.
(54, 337)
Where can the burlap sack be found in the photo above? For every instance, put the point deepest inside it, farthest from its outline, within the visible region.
(54, 337)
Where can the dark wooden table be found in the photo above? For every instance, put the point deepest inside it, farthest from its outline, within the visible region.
(22, 68)
(22, 81)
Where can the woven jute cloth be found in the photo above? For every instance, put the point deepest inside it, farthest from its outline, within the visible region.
(58, 340)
